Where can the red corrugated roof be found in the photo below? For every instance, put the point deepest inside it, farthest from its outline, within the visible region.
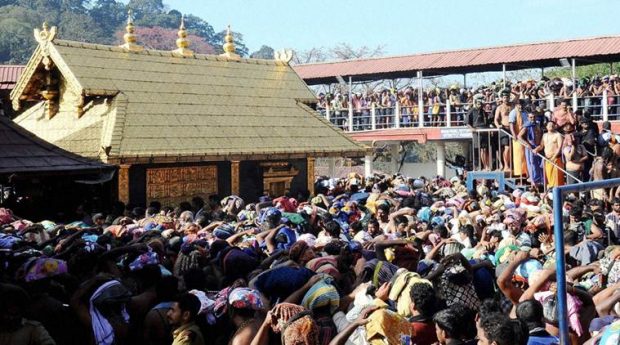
(9, 74)
(544, 54)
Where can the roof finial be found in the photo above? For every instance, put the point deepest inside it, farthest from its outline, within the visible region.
(45, 34)
(130, 37)
(182, 41)
(229, 45)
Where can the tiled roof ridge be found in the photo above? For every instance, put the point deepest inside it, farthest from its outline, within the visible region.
(514, 45)
(162, 53)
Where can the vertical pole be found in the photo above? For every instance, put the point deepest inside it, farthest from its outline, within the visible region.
(542, 72)
(331, 167)
(448, 113)
(420, 100)
(327, 114)
(373, 116)
(397, 114)
(464, 80)
(367, 166)
(550, 102)
(234, 177)
(441, 158)
(123, 183)
(350, 120)
(574, 76)
(310, 174)
(504, 75)
(558, 233)
(395, 160)
(604, 106)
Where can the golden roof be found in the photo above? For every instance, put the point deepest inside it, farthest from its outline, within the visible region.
(154, 106)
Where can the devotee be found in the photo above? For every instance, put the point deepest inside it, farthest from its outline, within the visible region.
(552, 147)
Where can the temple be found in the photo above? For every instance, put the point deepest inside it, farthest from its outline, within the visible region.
(177, 124)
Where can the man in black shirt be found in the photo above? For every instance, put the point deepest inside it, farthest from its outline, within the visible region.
(476, 118)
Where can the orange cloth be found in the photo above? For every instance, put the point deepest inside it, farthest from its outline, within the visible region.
(554, 177)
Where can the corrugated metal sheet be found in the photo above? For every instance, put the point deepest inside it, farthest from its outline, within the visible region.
(467, 61)
(9, 74)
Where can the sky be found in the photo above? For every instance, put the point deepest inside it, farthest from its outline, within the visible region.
(405, 27)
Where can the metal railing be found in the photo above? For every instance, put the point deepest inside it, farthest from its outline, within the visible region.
(446, 115)
(488, 137)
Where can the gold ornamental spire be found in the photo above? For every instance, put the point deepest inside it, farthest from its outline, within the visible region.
(182, 41)
(130, 37)
(229, 46)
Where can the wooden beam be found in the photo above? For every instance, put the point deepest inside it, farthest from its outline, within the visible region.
(310, 174)
(123, 183)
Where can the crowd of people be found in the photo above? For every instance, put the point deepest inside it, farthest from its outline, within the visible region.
(384, 259)
(589, 92)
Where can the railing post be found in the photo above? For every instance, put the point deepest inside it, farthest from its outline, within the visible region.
(575, 104)
(327, 113)
(550, 102)
(604, 107)
(350, 116)
(420, 99)
(397, 115)
(448, 114)
(373, 116)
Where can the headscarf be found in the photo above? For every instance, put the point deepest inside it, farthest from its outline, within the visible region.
(108, 293)
(245, 298)
(295, 324)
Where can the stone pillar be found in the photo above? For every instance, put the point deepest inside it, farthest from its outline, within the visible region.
(310, 173)
(123, 183)
(331, 167)
(441, 158)
(234, 177)
(395, 157)
(367, 166)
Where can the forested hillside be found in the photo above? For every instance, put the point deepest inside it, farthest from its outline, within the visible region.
(103, 21)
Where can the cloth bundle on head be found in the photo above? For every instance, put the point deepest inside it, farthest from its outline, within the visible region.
(549, 302)
(386, 327)
(379, 271)
(245, 298)
(280, 282)
(400, 292)
(236, 263)
(109, 293)
(6, 216)
(325, 264)
(297, 250)
(41, 268)
(503, 253)
(232, 204)
(309, 238)
(295, 324)
(206, 303)
(322, 294)
(285, 238)
(527, 268)
(7, 241)
(224, 231)
(148, 258)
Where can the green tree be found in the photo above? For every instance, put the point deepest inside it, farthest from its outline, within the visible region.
(265, 52)
(110, 15)
(146, 8)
